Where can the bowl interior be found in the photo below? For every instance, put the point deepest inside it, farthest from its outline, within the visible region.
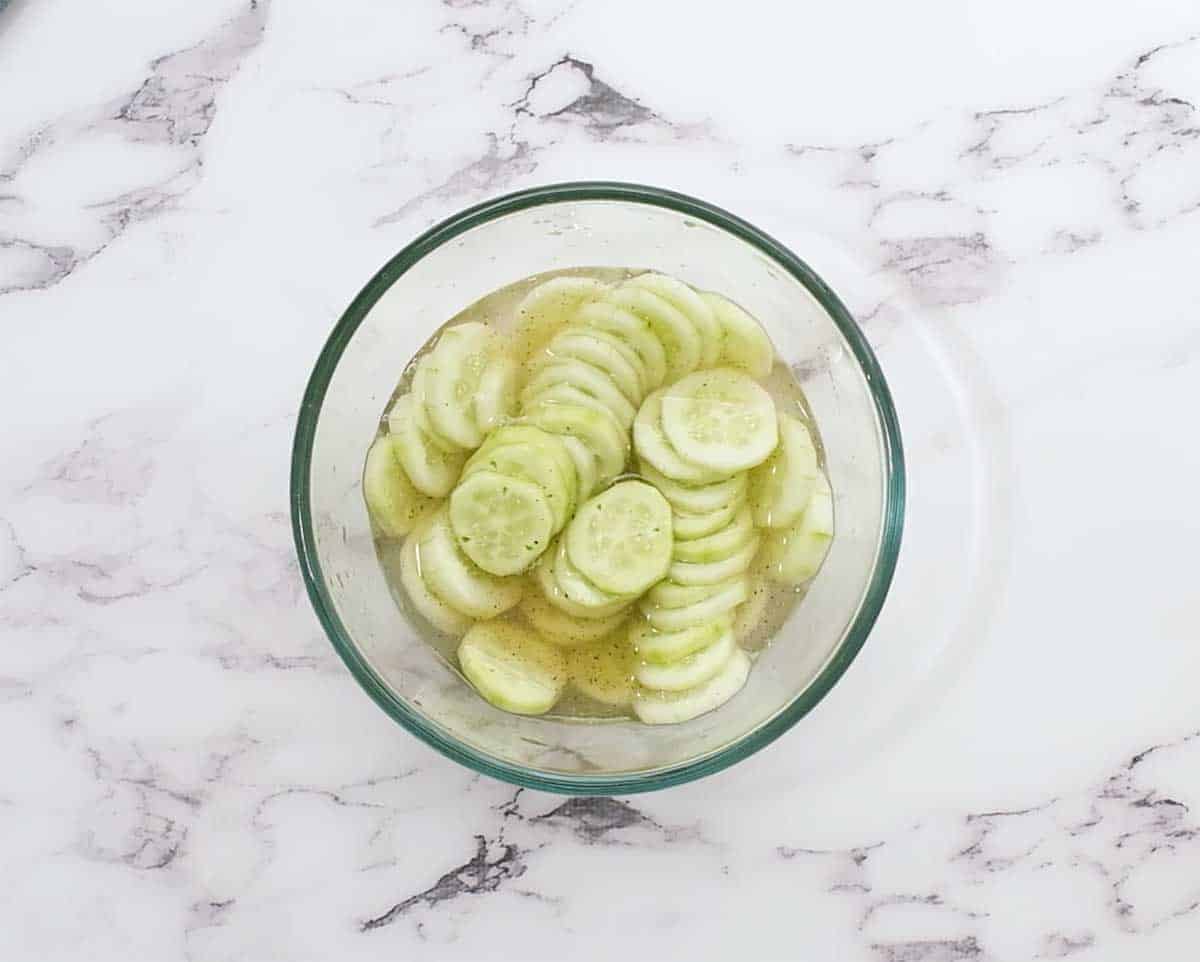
(598, 226)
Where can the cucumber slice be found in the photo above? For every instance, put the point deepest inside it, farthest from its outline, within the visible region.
(664, 647)
(688, 672)
(695, 498)
(745, 344)
(749, 616)
(621, 539)
(604, 671)
(669, 708)
(496, 398)
(456, 580)
(653, 447)
(531, 461)
(547, 309)
(581, 590)
(689, 303)
(562, 629)
(431, 469)
(428, 605)
(732, 594)
(690, 526)
(588, 379)
(548, 444)
(599, 431)
(420, 413)
(668, 594)
(780, 487)
(452, 380)
(627, 352)
(392, 501)
(501, 523)
(512, 668)
(592, 348)
(794, 555)
(709, 573)
(587, 472)
(721, 420)
(608, 317)
(721, 543)
(679, 337)
(547, 581)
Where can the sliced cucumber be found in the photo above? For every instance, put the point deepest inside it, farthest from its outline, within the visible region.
(587, 472)
(604, 671)
(531, 460)
(590, 380)
(496, 398)
(664, 647)
(501, 523)
(431, 469)
(678, 336)
(670, 708)
(794, 555)
(428, 605)
(732, 593)
(563, 629)
(452, 380)
(781, 485)
(547, 309)
(709, 573)
(634, 331)
(599, 431)
(745, 344)
(721, 420)
(598, 349)
(690, 526)
(456, 579)
(689, 303)
(668, 594)
(721, 543)
(392, 501)
(545, 442)
(688, 672)
(627, 352)
(621, 539)
(420, 413)
(512, 667)
(655, 449)
(580, 589)
(695, 498)
(546, 579)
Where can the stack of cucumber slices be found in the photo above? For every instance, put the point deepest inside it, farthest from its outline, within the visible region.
(599, 499)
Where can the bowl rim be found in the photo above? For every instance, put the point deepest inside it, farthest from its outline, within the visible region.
(617, 782)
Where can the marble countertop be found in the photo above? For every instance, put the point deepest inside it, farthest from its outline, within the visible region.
(1009, 196)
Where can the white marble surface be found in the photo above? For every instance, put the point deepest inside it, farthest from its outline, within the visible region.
(1010, 196)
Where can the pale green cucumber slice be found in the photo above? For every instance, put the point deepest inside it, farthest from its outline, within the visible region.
(550, 444)
(689, 303)
(548, 308)
(627, 352)
(745, 344)
(496, 398)
(690, 526)
(565, 630)
(512, 667)
(688, 672)
(604, 670)
(695, 498)
(668, 594)
(794, 555)
(663, 647)
(653, 447)
(392, 501)
(501, 523)
(428, 605)
(452, 381)
(581, 590)
(419, 412)
(456, 579)
(590, 347)
(634, 331)
(599, 430)
(621, 539)
(721, 543)
(431, 469)
(678, 336)
(781, 485)
(587, 471)
(670, 708)
(547, 581)
(590, 380)
(531, 460)
(721, 420)
(691, 573)
(732, 594)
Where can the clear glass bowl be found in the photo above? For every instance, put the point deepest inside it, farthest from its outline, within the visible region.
(594, 225)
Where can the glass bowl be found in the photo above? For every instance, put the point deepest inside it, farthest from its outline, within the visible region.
(593, 225)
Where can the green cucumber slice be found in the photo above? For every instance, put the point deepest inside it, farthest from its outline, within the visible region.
(688, 672)
(580, 589)
(678, 336)
(709, 573)
(668, 594)
(588, 379)
(663, 647)
(546, 579)
(392, 501)
(721, 543)
(598, 430)
(689, 303)
(655, 449)
(432, 470)
(456, 580)
(512, 668)
(562, 629)
(420, 413)
(695, 498)
(547, 309)
(501, 523)
(452, 380)
(604, 671)
(532, 460)
(621, 539)
(606, 316)
(794, 555)
(670, 708)
(690, 526)
(780, 487)
(587, 471)
(496, 398)
(745, 344)
(597, 349)
(428, 605)
(721, 420)
(731, 594)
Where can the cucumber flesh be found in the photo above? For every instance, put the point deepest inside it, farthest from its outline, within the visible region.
(392, 501)
(597, 429)
(781, 485)
(689, 526)
(562, 629)
(695, 498)
(512, 667)
(721, 420)
(457, 580)
(694, 307)
(794, 555)
(745, 344)
(656, 449)
(678, 336)
(496, 398)
(452, 381)
(709, 573)
(664, 647)
(731, 594)
(671, 708)
(621, 539)
(501, 523)
(548, 308)
(721, 543)
(688, 672)
(634, 331)
(432, 470)
(428, 605)
(529, 461)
